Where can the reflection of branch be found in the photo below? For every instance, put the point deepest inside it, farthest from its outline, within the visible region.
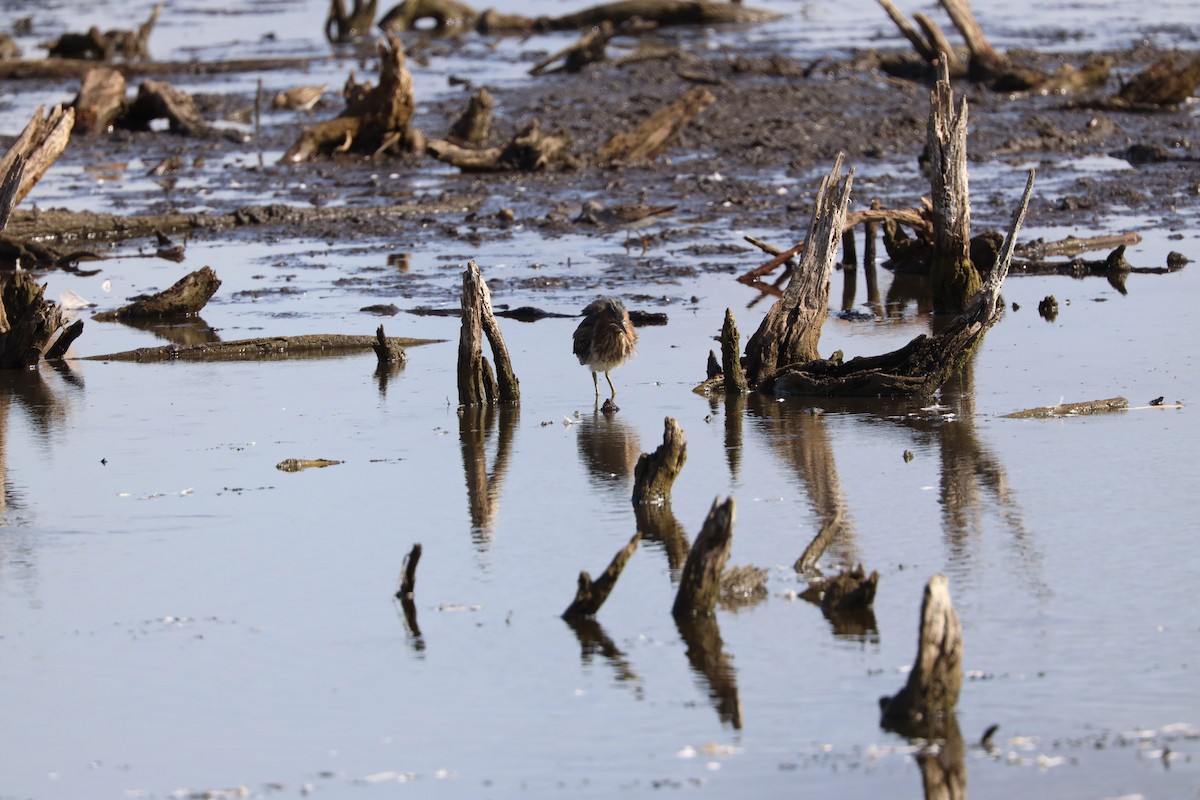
(593, 639)
(659, 524)
(802, 440)
(483, 487)
(705, 654)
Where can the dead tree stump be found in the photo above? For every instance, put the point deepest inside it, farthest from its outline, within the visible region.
(731, 360)
(389, 352)
(654, 475)
(477, 385)
(100, 101)
(186, 297)
(952, 276)
(936, 677)
(376, 118)
(591, 594)
(345, 26)
(790, 331)
(472, 128)
(700, 583)
(40, 143)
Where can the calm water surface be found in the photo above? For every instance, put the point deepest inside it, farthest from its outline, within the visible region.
(177, 616)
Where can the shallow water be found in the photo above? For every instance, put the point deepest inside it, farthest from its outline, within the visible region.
(180, 616)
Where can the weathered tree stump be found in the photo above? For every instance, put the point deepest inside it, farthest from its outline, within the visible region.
(700, 583)
(808, 559)
(388, 351)
(472, 128)
(97, 46)
(40, 144)
(790, 331)
(650, 137)
(186, 297)
(158, 100)
(100, 101)
(376, 118)
(408, 579)
(477, 385)
(933, 685)
(655, 473)
(953, 278)
(591, 594)
(921, 366)
(731, 360)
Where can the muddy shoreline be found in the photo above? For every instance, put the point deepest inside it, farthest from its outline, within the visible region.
(748, 162)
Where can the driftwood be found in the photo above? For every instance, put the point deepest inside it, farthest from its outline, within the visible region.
(933, 685)
(345, 26)
(591, 594)
(952, 276)
(40, 144)
(790, 331)
(1164, 85)
(1072, 409)
(269, 348)
(65, 69)
(919, 368)
(649, 138)
(980, 61)
(96, 45)
(590, 49)
(476, 383)
(700, 583)
(301, 464)
(185, 298)
(530, 150)
(100, 101)
(452, 16)
(376, 118)
(655, 473)
(474, 126)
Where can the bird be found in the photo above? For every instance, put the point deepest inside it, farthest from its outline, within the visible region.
(605, 339)
(629, 217)
(300, 98)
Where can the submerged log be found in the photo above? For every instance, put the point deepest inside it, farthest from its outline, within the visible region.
(477, 385)
(649, 138)
(451, 16)
(591, 594)
(269, 348)
(936, 677)
(790, 331)
(700, 583)
(186, 297)
(1072, 409)
(655, 474)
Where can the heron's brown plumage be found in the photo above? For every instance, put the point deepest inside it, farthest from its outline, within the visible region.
(605, 339)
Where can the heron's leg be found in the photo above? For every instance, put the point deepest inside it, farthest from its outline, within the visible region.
(610, 385)
(596, 382)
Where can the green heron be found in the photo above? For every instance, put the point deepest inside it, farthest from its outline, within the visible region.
(605, 339)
